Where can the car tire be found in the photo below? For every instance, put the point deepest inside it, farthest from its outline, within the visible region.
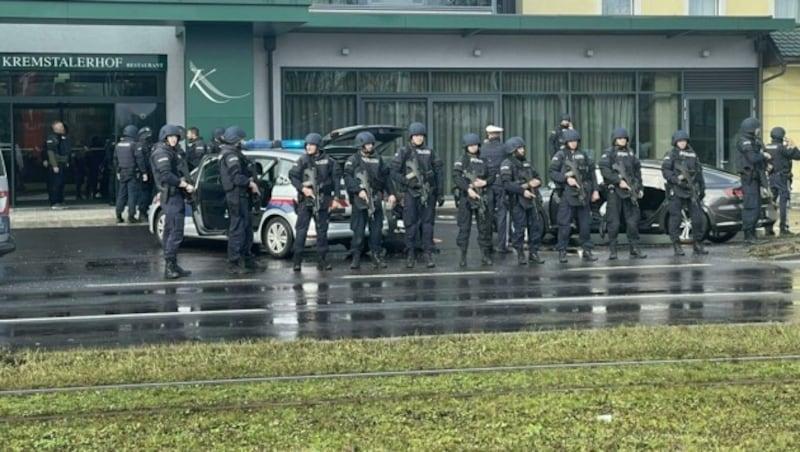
(158, 226)
(278, 237)
(686, 227)
(721, 237)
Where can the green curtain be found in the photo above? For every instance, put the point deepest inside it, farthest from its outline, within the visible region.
(596, 116)
(532, 118)
(451, 121)
(319, 113)
(392, 112)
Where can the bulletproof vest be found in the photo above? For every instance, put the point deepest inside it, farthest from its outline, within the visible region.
(424, 156)
(743, 143)
(474, 164)
(195, 151)
(161, 152)
(582, 161)
(324, 166)
(372, 165)
(123, 151)
(625, 156)
(145, 147)
(521, 169)
(493, 153)
(228, 157)
(780, 164)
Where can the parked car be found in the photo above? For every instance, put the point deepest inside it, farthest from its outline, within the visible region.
(7, 244)
(722, 206)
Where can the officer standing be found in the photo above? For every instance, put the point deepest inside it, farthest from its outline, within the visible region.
(522, 182)
(127, 168)
(317, 180)
(493, 152)
(783, 151)
(574, 173)
(686, 188)
(556, 138)
(195, 147)
(239, 183)
(471, 176)
(216, 140)
(171, 179)
(58, 151)
(622, 173)
(752, 170)
(144, 147)
(417, 172)
(368, 180)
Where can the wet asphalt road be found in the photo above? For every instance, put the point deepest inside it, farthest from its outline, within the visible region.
(103, 286)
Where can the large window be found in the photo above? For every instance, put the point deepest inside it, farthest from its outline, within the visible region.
(618, 7)
(87, 84)
(787, 9)
(703, 7)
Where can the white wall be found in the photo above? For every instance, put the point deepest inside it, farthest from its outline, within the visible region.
(115, 39)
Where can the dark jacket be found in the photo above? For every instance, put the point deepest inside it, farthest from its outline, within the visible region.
(558, 174)
(234, 172)
(125, 165)
(329, 175)
(168, 170)
(377, 170)
(195, 150)
(493, 152)
(611, 177)
(515, 173)
(431, 167)
(678, 162)
(782, 157)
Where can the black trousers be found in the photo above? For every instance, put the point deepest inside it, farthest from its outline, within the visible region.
(617, 206)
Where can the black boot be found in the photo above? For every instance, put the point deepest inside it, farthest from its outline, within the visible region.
(298, 262)
(182, 271)
(588, 256)
(132, 219)
(533, 258)
(750, 237)
(521, 260)
(612, 251)
(699, 249)
(676, 246)
(486, 257)
(562, 256)
(785, 230)
(236, 267)
(170, 270)
(411, 259)
(429, 260)
(637, 253)
(355, 264)
(252, 265)
(119, 219)
(377, 262)
(768, 231)
(322, 264)
(463, 262)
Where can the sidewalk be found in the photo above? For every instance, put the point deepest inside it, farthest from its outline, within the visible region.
(70, 217)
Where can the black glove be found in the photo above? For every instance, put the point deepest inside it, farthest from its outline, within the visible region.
(440, 201)
(414, 184)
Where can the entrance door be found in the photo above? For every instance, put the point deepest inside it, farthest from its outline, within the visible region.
(713, 123)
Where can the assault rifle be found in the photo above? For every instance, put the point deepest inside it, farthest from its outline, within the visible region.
(363, 180)
(690, 179)
(476, 204)
(310, 181)
(573, 171)
(415, 174)
(633, 184)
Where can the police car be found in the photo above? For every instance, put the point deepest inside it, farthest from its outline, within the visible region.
(274, 220)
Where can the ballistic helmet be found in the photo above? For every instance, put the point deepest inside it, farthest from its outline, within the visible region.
(750, 125)
(364, 138)
(130, 131)
(233, 135)
(169, 130)
(417, 128)
(470, 139)
(314, 138)
(778, 133)
(619, 132)
(570, 135)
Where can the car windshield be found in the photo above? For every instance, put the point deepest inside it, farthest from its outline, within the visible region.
(715, 177)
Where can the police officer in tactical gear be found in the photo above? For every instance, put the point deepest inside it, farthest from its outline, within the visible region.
(195, 147)
(522, 182)
(471, 177)
(782, 151)
(493, 152)
(368, 180)
(419, 174)
(216, 140)
(172, 181)
(127, 167)
(574, 172)
(239, 183)
(317, 180)
(686, 188)
(144, 147)
(556, 138)
(58, 151)
(752, 169)
(622, 173)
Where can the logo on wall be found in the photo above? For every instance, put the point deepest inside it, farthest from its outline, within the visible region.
(203, 84)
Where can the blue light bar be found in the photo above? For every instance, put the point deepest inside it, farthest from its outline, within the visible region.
(293, 144)
(270, 144)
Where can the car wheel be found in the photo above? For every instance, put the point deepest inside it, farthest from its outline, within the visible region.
(278, 237)
(721, 237)
(159, 221)
(685, 227)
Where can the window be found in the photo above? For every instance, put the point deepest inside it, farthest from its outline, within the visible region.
(703, 7)
(617, 7)
(787, 9)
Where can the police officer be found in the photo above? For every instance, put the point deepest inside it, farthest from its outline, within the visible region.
(195, 147)
(493, 152)
(315, 164)
(368, 180)
(144, 148)
(556, 138)
(471, 177)
(623, 195)
(522, 182)
(238, 182)
(58, 149)
(126, 170)
(752, 169)
(782, 151)
(216, 140)
(574, 173)
(171, 179)
(686, 188)
(418, 173)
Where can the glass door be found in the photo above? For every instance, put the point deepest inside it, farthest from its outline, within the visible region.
(713, 123)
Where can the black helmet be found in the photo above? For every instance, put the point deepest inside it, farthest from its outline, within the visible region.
(233, 135)
(169, 130)
(218, 132)
(778, 133)
(130, 131)
(750, 125)
(470, 139)
(182, 130)
(314, 138)
(570, 135)
(145, 133)
(619, 132)
(680, 135)
(364, 138)
(417, 128)
(514, 143)
(566, 117)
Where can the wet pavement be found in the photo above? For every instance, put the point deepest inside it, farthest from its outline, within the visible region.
(103, 286)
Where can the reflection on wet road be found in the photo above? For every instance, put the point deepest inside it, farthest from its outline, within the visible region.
(99, 298)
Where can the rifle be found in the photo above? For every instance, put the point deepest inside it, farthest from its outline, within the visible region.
(310, 181)
(363, 180)
(572, 171)
(689, 178)
(476, 204)
(414, 173)
(633, 184)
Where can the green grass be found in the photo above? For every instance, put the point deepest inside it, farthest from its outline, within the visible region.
(692, 406)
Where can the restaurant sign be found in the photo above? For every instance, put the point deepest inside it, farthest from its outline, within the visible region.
(73, 62)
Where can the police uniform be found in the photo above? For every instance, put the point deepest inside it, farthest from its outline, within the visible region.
(493, 152)
(465, 171)
(752, 170)
(556, 138)
(195, 150)
(418, 210)
(622, 201)
(171, 173)
(328, 174)
(58, 156)
(143, 152)
(686, 188)
(571, 205)
(236, 178)
(216, 141)
(127, 167)
(517, 174)
(366, 171)
(780, 174)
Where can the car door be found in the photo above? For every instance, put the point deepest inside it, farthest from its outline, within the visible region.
(210, 211)
(264, 167)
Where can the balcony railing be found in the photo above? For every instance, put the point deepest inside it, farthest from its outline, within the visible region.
(449, 6)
